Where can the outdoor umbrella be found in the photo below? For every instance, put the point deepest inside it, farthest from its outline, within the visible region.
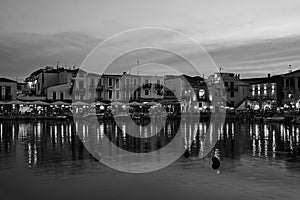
(152, 103)
(60, 103)
(16, 102)
(134, 103)
(42, 103)
(98, 103)
(116, 103)
(79, 103)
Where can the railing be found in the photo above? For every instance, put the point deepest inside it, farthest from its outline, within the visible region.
(147, 85)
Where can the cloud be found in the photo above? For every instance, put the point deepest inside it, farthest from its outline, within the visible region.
(257, 58)
(22, 53)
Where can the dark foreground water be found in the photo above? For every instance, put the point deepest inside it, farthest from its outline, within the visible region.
(46, 160)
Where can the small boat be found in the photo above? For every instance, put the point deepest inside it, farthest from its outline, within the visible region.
(274, 119)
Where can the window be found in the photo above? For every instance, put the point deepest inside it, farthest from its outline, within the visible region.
(92, 83)
(146, 92)
(54, 95)
(117, 94)
(110, 82)
(292, 82)
(81, 97)
(134, 82)
(253, 90)
(232, 94)
(298, 80)
(226, 84)
(265, 89)
(81, 84)
(231, 85)
(127, 82)
(117, 83)
(127, 94)
(273, 89)
(258, 89)
(61, 96)
(8, 91)
(110, 94)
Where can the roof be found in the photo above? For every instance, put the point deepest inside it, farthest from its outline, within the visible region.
(275, 78)
(2, 79)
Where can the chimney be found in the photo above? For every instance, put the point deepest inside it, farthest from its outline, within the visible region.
(124, 73)
(269, 75)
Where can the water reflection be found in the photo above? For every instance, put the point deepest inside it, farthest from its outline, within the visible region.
(54, 145)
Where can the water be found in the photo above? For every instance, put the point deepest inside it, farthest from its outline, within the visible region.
(47, 160)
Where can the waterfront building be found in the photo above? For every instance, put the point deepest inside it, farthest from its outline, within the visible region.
(291, 88)
(152, 88)
(227, 87)
(51, 83)
(108, 88)
(265, 92)
(192, 92)
(8, 89)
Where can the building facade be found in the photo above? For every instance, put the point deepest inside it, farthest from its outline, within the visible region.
(227, 87)
(8, 89)
(291, 87)
(265, 92)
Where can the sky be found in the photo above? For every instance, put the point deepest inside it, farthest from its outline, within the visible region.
(251, 38)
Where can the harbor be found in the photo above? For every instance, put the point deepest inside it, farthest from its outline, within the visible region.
(48, 153)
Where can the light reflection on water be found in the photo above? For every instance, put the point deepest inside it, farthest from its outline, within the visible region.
(53, 150)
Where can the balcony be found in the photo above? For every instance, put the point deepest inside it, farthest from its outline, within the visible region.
(158, 86)
(147, 86)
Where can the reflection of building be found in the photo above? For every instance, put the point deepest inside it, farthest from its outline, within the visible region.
(227, 86)
(291, 87)
(8, 89)
(265, 91)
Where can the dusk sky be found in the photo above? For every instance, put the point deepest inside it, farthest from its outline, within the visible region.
(252, 38)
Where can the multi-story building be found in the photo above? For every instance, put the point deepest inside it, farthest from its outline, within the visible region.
(227, 87)
(52, 83)
(191, 91)
(108, 88)
(265, 91)
(291, 87)
(152, 88)
(8, 89)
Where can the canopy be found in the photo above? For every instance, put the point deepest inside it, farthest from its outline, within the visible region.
(98, 103)
(60, 103)
(152, 103)
(116, 103)
(134, 103)
(242, 106)
(17, 102)
(79, 103)
(40, 103)
(2, 103)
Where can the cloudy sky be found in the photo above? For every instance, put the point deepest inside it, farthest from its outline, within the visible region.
(252, 38)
